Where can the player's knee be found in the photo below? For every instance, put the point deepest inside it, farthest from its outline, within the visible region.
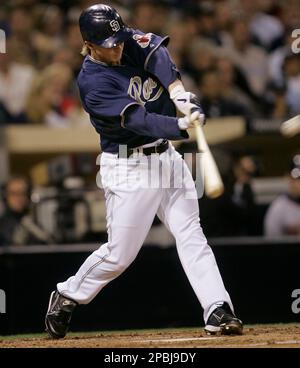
(188, 231)
(123, 264)
(120, 265)
(118, 269)
(121, 268)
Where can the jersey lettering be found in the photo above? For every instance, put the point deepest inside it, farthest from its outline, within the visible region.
(142, 92)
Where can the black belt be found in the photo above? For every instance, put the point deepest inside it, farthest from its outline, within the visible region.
(160, 148)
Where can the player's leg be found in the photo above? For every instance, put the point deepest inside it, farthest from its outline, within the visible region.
(129, 219)
(180, 213)
(130, 213)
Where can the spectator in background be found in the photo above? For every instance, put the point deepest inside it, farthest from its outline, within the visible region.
(224, 13)
(291, 69)
(21, 31)
(190, 18)
(276, 60)
(49, 100)
(229, 77)
(15, 84)
(290, 14)
(204, 20)
(47, 37)
(234, 213)
(202, 56)
(65, 55)
(207, 22)
(285, 95)
(265, 29)
(149, 15)
(279, 108)
(283, 215)
(250, 59)
(73, 41)
(213, 101)
(16, 225)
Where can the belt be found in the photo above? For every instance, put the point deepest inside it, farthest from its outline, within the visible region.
(160, 148)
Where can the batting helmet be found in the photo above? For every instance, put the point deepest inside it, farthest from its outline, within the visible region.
(102, 25)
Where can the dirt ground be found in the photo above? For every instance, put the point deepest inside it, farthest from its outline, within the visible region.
(265, 336)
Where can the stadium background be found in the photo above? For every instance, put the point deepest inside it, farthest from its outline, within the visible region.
(236, 55)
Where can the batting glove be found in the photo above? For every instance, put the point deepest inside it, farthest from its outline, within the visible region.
(184, 101)
(189, 121)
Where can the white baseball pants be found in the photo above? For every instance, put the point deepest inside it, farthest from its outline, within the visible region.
(131, 206)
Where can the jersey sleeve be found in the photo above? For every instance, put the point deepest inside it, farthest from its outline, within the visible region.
(137, 119)
(150, 51)
(108, 103)
(117, 108)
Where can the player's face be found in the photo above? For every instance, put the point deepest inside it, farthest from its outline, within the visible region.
(111, 56)
(16, 195)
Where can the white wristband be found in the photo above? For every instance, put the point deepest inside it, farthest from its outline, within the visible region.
(176, 91)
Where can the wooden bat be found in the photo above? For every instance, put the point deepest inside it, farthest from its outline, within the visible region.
(213, 184)
(291, 127)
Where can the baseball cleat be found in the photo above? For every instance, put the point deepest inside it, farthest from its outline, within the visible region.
(223, 321)
(59, 315)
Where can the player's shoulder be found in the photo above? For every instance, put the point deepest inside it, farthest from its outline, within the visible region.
(91, 67)
(94, 76)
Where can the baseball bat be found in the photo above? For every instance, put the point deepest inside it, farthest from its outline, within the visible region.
(291, 127)
(213, 184)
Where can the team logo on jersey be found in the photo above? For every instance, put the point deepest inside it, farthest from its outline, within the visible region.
(143, 40)
(142, 92)
(115, 26)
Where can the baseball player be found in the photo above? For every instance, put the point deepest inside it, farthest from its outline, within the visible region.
(131, 89)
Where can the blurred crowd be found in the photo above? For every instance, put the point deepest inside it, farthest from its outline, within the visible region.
(234, 54)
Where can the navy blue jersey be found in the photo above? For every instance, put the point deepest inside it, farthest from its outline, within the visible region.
(129, 103)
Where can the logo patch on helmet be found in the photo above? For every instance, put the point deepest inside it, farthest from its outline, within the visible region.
(143, 40)
(115, 26)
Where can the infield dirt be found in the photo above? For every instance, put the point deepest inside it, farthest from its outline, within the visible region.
(265, 336)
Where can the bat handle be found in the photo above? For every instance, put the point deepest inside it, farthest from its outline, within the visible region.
(201, 119)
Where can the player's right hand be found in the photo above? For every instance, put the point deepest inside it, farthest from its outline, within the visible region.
(184, 101)
(196, 117)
